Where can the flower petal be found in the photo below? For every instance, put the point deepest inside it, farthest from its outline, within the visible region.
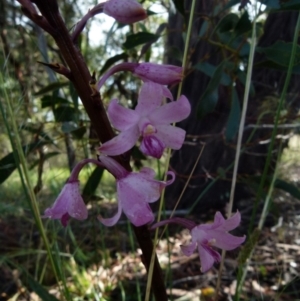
(188, 250)
(76, 208)
(135, 207)
(139, 189)
(171, 112)
(69, 203)
(171, 136)
(224, 240)
(150, 98)
(229, 224)
(152, 146)
(148, 173)
(121, 143)
(108, 222)
(207, 257)
(116, 169)
(121, 118)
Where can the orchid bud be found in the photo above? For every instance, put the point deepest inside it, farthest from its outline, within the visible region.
(161, 74)
(125, 11)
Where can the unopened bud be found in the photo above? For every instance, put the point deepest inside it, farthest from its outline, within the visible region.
(125, 11)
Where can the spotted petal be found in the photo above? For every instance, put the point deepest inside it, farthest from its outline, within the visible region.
(121, 118)
(171, 112)
(172, 137)
(226, 241)
(121, 143)
(150, 98)
(207, 257)
(188, 250)
(134, 205)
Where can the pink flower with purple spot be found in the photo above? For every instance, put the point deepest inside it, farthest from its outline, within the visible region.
(134, 192)
(208, 236)
(150, 120)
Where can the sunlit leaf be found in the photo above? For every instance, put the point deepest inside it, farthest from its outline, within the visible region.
(139, 38)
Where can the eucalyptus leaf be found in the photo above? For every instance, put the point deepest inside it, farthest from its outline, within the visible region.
(210, 96)
(139, 38)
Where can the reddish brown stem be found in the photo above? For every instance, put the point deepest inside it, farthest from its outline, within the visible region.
(82, 79)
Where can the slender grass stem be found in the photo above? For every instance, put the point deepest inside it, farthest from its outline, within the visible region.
(269, 156)
(184, 64)
(24, 173)
(239, 140)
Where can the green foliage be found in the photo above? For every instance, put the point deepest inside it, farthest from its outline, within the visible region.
(139, 38)
(209, 98)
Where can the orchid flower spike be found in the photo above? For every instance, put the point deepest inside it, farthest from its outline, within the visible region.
(157, 73)
(125, 11)
(134, 192)
(149, 120)
(207, 236)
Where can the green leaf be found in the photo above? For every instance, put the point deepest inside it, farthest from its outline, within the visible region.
(210, 96)
(210, 69)
(140, 38)
(51, 87)
(179, 4)
(8, 163)
(93, 182)
(64, 113)
(227, 23)
(203, 29)
(243, 25)
(39, 289)
(51, 101)
(112, 60)
(280, 53)
(288, 187)
(234, 117)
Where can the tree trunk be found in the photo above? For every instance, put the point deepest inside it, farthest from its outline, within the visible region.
(208, 133)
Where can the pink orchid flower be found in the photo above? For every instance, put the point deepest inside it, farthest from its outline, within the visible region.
(207, 236)
(134, 192)
(68, 204)
(125, 11)
(150, 120)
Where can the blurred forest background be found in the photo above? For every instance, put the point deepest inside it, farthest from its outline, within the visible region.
(97, 263)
